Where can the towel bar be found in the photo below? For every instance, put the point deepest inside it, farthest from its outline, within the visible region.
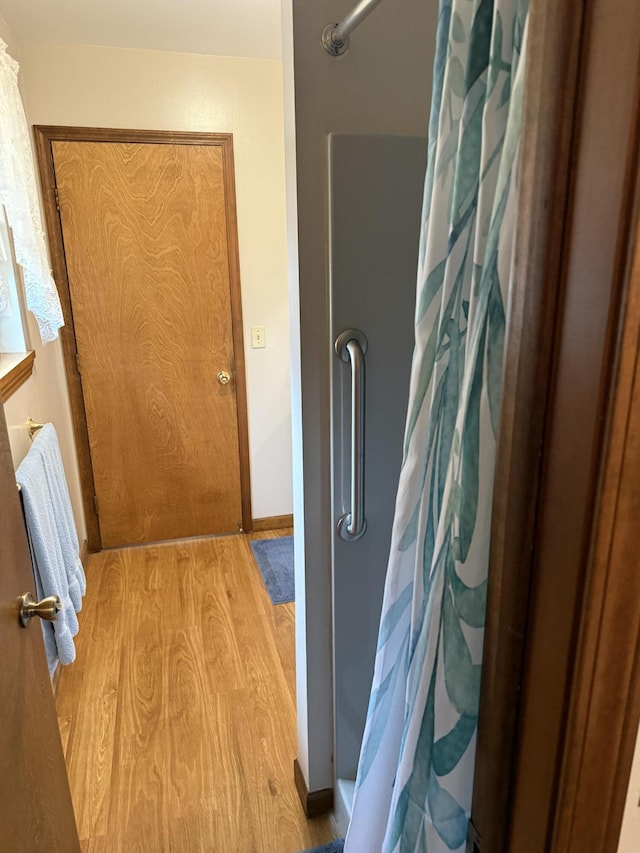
(33, 427)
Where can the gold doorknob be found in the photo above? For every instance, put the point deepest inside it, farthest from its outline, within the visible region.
(48, 609)
(224, 378)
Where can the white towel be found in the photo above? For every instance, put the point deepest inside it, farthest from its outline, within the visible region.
(53, 541)
(46, 443)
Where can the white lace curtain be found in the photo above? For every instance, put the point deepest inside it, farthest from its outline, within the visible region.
(5, 293)
(19, 196)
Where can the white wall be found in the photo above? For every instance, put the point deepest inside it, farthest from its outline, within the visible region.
(9, 38)
(157, 90)
(44, 396)
(303, 655)
(630, 835)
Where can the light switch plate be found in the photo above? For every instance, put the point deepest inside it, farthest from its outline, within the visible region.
(258, 339)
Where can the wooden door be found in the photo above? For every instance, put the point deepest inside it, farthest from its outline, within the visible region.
(35, 803)
(150, 266)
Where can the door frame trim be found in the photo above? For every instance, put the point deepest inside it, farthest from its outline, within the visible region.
(554, 49)
(45, 135)
(544, 715)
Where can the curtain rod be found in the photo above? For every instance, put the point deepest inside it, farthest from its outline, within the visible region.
(335, 37)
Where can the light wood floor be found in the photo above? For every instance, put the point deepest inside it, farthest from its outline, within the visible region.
(178, 716)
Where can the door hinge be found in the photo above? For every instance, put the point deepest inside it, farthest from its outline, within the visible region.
(55, 192)
(95, 504)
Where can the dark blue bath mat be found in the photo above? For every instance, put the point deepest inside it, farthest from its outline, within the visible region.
(275, 561)
(332, 847)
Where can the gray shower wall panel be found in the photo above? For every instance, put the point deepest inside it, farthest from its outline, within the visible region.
(375, 201)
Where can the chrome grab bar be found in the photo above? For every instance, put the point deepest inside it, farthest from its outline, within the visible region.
(351, 345)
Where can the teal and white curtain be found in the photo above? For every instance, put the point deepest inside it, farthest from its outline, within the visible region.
(415, 776)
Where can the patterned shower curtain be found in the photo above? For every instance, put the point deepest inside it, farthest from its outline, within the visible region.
(415, 775)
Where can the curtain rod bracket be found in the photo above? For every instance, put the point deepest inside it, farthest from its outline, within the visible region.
(333, 44)
(335, 37)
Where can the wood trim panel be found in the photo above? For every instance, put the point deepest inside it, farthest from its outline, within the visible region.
(16, 375)
(238, 334)
(592, 281)
(272, 522)
(605, 692)
(314, 803)
(43, 138)
(45, 135)
(562, 319)
(555, 33)
(114, 134)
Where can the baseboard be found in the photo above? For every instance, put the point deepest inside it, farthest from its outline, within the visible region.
(272, 522)
(343, 806)
(314, 803)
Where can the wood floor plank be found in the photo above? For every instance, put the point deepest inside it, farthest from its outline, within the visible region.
(281, 620)
(179, 713)
(93, 712)
(212, 611)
